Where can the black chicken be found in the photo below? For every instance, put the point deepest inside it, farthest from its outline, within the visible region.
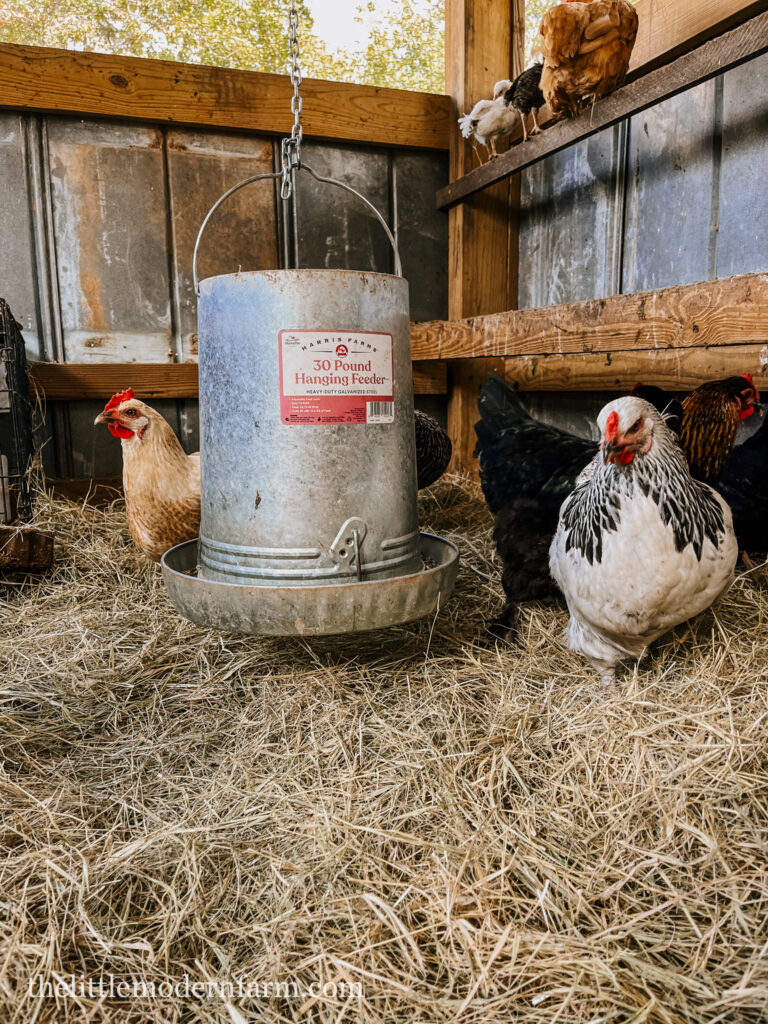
(525, 96)
(744, 485)
(527, 470)
(433, 449)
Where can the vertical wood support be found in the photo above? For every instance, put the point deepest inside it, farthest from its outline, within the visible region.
(481, 48)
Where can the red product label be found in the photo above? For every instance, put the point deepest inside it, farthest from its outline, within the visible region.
(329, 377)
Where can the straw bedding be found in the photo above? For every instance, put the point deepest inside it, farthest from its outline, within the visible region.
(470, 833)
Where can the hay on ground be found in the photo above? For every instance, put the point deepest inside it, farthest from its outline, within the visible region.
(471, 833)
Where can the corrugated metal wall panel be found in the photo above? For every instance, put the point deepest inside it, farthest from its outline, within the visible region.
(17, 260)
(332, 228)
(421, 230)
(570, 223)
(101, 219)
(742, 238)
(672, 191)
(690, 172)
(242, 232)
(111, 239)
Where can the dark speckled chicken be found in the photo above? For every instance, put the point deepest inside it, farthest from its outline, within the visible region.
(433, 449)
(525, 96)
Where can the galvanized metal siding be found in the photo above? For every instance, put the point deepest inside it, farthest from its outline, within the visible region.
(675, 196)
(100, 223)
(571, 223)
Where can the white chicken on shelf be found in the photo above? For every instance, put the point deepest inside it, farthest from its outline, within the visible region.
(640, 545)
(490, 119)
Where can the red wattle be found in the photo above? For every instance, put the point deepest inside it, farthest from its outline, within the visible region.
(746, 413)
(117, 431)
(626, 457)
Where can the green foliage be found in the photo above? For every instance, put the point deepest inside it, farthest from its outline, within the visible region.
(406, 49)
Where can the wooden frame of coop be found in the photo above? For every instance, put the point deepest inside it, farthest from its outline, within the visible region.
(676, 336)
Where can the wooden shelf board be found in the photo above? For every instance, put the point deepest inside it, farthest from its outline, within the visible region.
(50, 80)
(729, 311)
(97, 381)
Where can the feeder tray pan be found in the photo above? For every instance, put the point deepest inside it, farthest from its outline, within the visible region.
(326, 609)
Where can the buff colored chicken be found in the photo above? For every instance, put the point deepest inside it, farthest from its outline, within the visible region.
(586, 49)
(161, 482)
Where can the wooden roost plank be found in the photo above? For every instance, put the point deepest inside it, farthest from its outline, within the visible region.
(731, 311)
(674, 369)
(71, 381)
(64, 81)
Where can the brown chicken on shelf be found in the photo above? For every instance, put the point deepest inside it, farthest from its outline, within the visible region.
(586, 49)
(161, 482)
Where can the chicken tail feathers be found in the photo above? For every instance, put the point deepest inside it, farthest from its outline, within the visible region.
(499, 408)
(467, 125)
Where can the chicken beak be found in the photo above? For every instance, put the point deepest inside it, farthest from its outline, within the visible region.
(103, 417)
(610, 450)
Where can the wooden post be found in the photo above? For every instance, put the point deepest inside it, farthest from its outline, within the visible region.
(482, 231)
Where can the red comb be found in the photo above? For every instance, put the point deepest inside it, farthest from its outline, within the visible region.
(748, 376)
(118, 399)
(634, 389)
(612, 426)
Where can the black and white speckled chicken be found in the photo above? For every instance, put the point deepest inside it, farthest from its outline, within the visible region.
(526, 97)
(527, 469)
(640, 545)
(433, 449)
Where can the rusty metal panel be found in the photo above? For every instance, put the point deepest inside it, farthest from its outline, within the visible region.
(570, 223)
(333, 229)
(110, 222)
(671, 180)
(242, 234)
(742, 238)
(421, 230)
(17, 268)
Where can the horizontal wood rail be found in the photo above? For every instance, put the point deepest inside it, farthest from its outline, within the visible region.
(77, 381)
(706, 61)
(43, 79)
(684, 335)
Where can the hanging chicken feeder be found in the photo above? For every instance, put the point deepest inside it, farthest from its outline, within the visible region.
(309, 514)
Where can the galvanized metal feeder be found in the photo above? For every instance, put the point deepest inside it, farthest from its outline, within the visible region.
(309, 516)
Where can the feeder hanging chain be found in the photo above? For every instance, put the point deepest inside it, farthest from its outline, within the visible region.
(290, 149)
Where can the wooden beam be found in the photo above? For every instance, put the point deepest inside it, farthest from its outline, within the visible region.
(482, 234)
(669, 28)
(674, 369)
(63, 81)
(731, 311)
(707, 61)
(58, 382)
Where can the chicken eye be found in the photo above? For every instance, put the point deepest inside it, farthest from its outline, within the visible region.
(130, 412)
(635, 426)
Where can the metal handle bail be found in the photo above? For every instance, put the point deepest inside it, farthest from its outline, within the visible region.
(398, 266)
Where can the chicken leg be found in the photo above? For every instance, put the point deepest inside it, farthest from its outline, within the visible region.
(536, 130)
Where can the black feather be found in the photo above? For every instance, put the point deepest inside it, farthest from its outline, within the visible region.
(743, 483)
(525, 94)
(670, 408)
(527, 470)
(433, 449)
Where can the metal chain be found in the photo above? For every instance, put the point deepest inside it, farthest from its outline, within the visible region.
(290, 148)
